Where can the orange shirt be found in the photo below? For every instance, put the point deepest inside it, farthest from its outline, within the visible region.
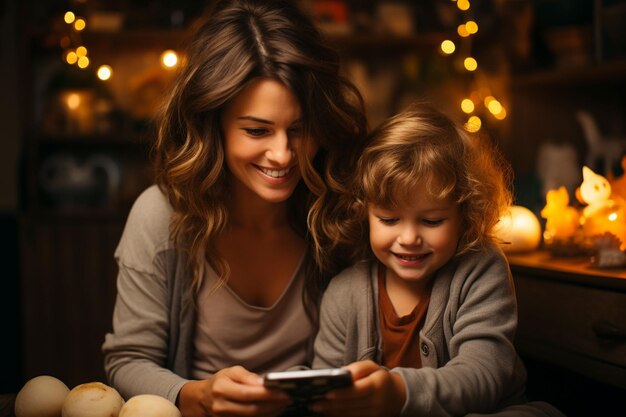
(400, 335)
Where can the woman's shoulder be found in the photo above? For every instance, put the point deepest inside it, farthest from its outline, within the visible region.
(147, 229)
(152, 202)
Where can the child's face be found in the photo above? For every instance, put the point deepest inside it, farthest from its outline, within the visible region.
(416, 238)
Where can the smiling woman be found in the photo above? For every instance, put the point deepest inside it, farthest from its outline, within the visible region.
(222, 263)
(262, 133)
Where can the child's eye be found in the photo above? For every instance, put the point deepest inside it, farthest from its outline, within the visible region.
(255, 131)
(388, 220)
(432, 222)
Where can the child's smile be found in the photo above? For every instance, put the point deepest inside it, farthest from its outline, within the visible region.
(415, 238)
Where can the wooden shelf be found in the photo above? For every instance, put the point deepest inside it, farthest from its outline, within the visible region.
(385, 44)
(599, 73)
(133, 39)
(572, 315)
(138, 140)
(572, 269)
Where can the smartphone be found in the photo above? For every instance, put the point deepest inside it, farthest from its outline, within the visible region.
(305, 387)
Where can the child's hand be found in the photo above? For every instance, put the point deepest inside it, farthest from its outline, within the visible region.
(376, 392)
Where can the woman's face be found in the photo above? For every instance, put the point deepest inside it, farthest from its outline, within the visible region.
(262, 130)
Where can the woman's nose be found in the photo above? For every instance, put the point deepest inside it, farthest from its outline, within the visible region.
(279, 149)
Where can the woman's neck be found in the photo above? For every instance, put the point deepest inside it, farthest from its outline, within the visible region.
(249, 211)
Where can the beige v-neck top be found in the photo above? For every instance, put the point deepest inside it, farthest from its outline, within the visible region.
(230, 331)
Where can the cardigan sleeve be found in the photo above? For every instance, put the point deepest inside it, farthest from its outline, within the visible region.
(346, 332)
(137, 348)
(484, 372)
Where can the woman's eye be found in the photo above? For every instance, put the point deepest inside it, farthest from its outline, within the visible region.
(295, 131)
(255, 131)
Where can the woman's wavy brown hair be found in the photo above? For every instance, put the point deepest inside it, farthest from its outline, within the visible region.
(422, 146)
(235, 43)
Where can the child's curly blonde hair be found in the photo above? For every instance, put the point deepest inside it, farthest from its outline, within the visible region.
(423, 146)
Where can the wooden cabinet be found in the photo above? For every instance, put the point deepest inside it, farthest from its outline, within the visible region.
(572, 332)
(67, 294)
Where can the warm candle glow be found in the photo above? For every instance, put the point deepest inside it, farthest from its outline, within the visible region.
(562, 220)
(603, 210)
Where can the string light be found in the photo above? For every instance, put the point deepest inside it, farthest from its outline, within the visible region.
(481, 95)
(467, 105)
(69, 17)
(71, 57)
(473, 124)
(463, 5)
(447, 47)
(470, 64)
(104, 72)
(169, 58)
(471, 27)
(462, 31)
(501, 115)
(83, 62)
(80, 24)
(494, 106)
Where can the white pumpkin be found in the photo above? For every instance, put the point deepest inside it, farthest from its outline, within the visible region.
(147, 405)
(41, 396)
(93, 399)
(519, 230)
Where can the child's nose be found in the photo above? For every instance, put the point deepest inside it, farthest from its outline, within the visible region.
(410, 236)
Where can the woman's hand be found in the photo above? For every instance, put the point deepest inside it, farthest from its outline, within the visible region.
(376, 392)
(231, 392)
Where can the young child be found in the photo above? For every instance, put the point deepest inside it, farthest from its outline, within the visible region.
(426, 323)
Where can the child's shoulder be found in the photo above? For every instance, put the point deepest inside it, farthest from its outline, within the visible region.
(488, 254)
(355, 276)
(487, 262)
(350, 289)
